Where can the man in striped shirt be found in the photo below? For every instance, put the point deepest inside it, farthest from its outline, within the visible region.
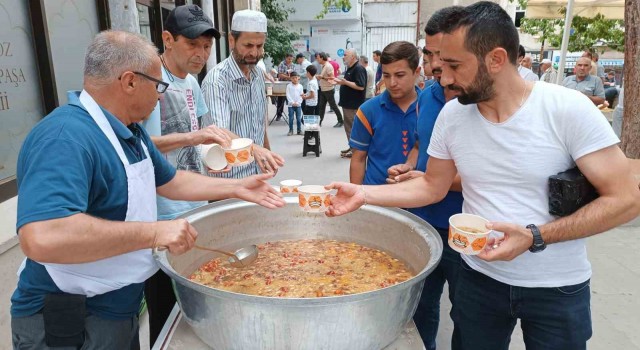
(234, 92)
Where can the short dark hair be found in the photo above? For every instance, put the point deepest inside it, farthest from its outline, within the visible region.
(364, 59)
(294, 74)
(521, 51)
(299, 56)
(377, 53)
(439, 18)
(288, 55)
(312, 69)
(322, 55)
(487, 26)
(400, 50)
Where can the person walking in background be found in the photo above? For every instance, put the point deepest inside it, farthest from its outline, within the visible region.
(379, 82)
(311, 97)
(294, 100)
(352, 92)
(284, 72)
(525, 73)
(549, 74)
(327, 90)
(371, 77)
(384, 130)
(233, 83)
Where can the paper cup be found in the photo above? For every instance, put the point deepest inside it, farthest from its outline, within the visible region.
(240, 152)
(213, 156)
(313, 198)
(289, 186)
(468, 233)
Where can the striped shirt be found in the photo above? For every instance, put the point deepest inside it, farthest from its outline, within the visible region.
(236, 104)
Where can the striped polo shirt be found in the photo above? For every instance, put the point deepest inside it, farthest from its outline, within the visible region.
(236, 104)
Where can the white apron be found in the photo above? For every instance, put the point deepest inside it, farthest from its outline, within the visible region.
(113, 273)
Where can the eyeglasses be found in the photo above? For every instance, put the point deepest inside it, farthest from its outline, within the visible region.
(161, 86)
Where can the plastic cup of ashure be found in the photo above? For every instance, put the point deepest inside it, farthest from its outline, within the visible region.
(213, 156)
(240, 152)
(313, 198)
(468, 233)
(289, 186)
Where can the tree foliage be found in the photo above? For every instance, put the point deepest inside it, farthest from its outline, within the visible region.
(587, 33)
(326, 4)
(279, 36)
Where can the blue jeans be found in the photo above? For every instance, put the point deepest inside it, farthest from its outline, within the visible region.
(485, 312)
(298, 111)
(427, 316)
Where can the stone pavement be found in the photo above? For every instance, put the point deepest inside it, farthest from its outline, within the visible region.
(615, 284)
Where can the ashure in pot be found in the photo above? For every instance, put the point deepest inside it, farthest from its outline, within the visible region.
(365, 321)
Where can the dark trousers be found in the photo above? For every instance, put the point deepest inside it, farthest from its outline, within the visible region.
(610, 94)
(28, 334)
(280, 102)
(323, 98)
(427, 316)
(158, 293)
(310, 110)
(485, 312)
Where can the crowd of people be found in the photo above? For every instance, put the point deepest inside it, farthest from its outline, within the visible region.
(471, 138)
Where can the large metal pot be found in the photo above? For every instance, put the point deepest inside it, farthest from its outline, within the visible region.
(366, 321)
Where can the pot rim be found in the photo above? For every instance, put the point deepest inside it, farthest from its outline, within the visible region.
(232, 204)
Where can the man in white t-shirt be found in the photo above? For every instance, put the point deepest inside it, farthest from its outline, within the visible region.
(505, 137)
(311, 96)
(174, 127)
(525, 73)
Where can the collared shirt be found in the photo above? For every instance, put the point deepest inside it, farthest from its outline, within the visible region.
(386, 133)
(284, 68)
(590, 85)
(237, 104)
(67, 166)
(327, 72)
(351, 98)
(430, 103)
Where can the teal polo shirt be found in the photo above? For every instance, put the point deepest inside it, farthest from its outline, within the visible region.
(67, 166)
(386, 133)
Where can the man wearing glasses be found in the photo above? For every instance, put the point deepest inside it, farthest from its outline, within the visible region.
(87, 177)
(175, 128)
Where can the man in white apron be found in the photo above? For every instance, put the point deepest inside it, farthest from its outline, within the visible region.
(87, 179)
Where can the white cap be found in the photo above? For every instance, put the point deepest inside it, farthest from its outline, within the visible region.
(546, 61)
(249, 21)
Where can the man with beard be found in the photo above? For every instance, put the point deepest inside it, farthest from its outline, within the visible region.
(430, 103)
(383, 132)
(175, 128)
(235, 93)
(505, 147)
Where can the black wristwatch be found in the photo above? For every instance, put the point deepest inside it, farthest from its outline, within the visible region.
(538, 243)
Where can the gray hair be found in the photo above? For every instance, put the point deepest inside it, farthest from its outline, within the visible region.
(113, 52)
(354, 51)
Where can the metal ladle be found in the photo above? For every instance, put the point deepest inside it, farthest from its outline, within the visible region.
(242, 257)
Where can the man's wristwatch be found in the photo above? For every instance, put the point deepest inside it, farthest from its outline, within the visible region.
(538, 243)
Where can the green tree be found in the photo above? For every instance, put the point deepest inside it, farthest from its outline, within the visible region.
(279, 36)
(587, 32)
(326, 4)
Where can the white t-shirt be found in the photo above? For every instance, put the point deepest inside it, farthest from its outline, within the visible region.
(313, 86)
(294, 94)
(527, 74)
(505, 169)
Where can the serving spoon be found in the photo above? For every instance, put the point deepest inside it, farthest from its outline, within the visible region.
(242, 257)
